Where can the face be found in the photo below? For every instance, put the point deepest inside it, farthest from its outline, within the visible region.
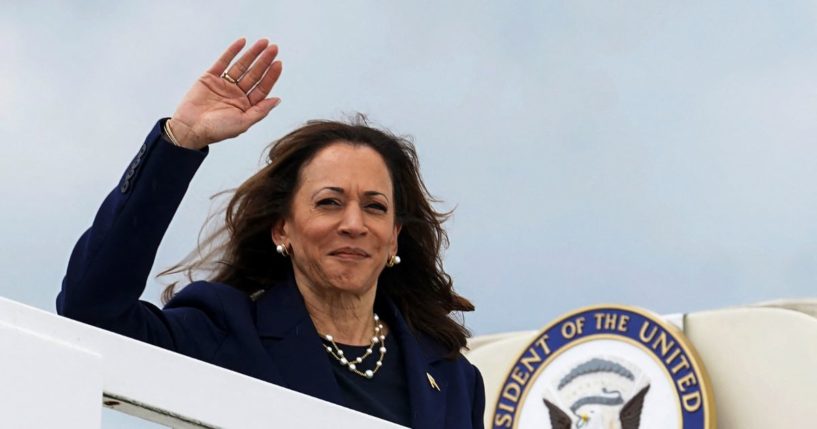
(341, 228)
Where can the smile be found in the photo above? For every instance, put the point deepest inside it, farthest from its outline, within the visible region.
(351, 253)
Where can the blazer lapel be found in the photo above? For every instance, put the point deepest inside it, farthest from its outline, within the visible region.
(293, 343)
(296, 350)
(427, 403)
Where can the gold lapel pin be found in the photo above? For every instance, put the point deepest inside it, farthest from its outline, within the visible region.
(432, 382)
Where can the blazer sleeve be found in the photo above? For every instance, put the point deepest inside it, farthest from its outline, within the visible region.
(110, 264)
(478, 407)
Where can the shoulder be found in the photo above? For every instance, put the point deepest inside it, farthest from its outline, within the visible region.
(475, 387)
(465, 390)
(207, 292)
(468, 371)
(220, 302)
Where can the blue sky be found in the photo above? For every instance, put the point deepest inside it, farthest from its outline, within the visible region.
(647, 153)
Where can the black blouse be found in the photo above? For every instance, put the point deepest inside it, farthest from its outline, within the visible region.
(386, 394)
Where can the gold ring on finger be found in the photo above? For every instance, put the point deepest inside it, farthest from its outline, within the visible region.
(226, 76)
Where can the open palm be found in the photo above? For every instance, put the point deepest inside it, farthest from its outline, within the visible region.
(228, 99)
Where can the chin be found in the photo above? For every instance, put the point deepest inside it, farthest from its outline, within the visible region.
(352, 283)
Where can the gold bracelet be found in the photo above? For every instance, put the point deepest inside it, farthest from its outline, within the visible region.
(169, 134)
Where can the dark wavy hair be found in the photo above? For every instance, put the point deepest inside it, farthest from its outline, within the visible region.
(241, 252)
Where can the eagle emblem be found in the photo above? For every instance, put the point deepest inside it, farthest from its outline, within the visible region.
(601, 393)
(605, 367)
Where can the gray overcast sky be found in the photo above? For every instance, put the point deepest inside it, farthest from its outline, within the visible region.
(659, 154)
(656, 155)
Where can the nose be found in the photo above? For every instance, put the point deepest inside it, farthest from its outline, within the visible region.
(352, 223)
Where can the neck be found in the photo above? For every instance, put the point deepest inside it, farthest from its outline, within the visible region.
(348, 317)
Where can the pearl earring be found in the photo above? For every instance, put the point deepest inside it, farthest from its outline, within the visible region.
(282, 250)
(393, 260)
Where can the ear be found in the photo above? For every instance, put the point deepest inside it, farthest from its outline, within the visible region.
(397, 228)
(278, 231)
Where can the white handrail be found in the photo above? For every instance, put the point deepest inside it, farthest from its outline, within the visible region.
(54, 373)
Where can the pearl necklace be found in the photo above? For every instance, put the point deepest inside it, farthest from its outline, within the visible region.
(378, 337)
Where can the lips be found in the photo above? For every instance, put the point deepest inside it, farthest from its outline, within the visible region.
(350, 252)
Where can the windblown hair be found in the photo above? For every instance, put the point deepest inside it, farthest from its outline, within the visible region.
(241, 252)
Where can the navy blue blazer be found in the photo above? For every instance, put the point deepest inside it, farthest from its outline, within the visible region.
(271, 338)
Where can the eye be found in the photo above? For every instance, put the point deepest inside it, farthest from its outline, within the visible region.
(327, 202)
(378, 207)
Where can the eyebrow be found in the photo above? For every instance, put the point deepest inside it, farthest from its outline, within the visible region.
(340, 190)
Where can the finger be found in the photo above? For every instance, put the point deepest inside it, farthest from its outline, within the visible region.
(264, 87)
(227, 57)
(243, 64)
(261, 110)
(258, 68)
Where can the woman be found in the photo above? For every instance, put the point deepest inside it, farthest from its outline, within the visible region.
(306, 290)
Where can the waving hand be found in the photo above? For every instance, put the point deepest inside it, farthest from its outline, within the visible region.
(228, 99)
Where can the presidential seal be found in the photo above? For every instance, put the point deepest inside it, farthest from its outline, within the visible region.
(607, 367)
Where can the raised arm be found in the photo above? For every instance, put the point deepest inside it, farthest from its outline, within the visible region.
(111, 262)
